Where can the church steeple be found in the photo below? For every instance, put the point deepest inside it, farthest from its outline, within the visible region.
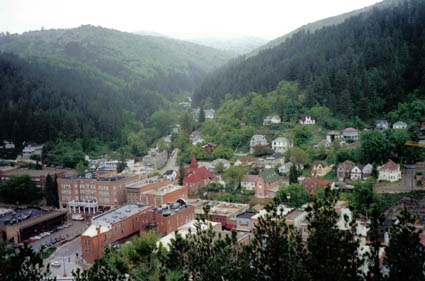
(194, 163)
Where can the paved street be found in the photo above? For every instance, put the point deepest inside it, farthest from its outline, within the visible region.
(172, 162)
(66, 256)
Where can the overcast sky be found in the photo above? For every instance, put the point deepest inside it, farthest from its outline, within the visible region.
(263, 18)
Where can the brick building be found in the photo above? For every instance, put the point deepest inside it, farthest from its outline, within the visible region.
(226, 213)
(134, 190)
(164, 194)
(112, 226)
(106, 191)
(196, 177)
(38, 176)
(312, 183)
(171, 216)
(265, 182)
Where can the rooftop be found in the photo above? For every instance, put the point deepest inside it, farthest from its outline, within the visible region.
(169, 209)
(246, 215)
(164, 189)
(116, 215)
(225, 209)
(282, 209)
(34, 173)
(144, 182)
(293, 214)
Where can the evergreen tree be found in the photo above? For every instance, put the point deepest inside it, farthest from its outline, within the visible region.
(181, 173)
(331, 252)
(51, 192)
(293, 175)
(201, 118)
(373, 256)
(405, 254)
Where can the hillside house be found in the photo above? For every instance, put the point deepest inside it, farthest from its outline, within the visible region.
(356, 172)
(307, 120)
(271, 120)
(265, 182)
(399, 125)
(209, 148)
(325, 143)
(311, 183)
(390, 171)
(332, 136)
(196, 137)
(281, 144)
(7, 145)
(226, 163)
(271, 161)
(32, 149)
(382, 125)
(248, 182)
(210, 114)
(367, 171)
(285, 169)
(257, 140)
(344, 170)
(350, 134)
(320, 168)
(170, 175)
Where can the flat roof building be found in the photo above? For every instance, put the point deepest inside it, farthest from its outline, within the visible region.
(38, 176)
(171, 216)
(164, 194)
(112, 226)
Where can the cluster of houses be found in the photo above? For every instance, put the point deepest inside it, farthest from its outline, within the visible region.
(390, 171)
(280, 144)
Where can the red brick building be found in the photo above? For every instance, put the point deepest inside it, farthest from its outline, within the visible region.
(112, 226)
(134, 190)
(196, 177)
(265, 182)
(106, 191)
(171, 216)
(226, 213)
(312, 183)
(165, 194)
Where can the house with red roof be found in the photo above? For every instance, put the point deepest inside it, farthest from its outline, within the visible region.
(311, 183)
(196, 177)
(390, 171)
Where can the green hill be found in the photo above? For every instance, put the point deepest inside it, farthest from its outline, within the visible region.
(325, 22)
(126, 56)
(363, 67)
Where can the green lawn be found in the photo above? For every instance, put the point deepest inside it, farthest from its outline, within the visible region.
(47, 252)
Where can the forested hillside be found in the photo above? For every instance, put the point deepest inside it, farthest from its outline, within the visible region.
(91, 82)
(326, 22)
(160, 64)
(363, 67)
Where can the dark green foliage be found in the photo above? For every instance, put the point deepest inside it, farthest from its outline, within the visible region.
(293, 175)
(331, 252)
(22, 264)
(51, 192)
(405, 255)
(373, 256)
(363, 67)
(201, 118)
(181, 173)
(294, 195)
(20, 189)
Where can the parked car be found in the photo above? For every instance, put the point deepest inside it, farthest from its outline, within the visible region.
(60, 228)
(37, 237)
(48, 244)
(55, 264)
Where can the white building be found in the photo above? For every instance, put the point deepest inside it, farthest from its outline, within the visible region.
(281, 144)
(399, 125)
(7, 145)
(307, 120)
(272, 119)
(257, 140)
(32, 149)
(356, 172)
(390, 171)
(210, 114)
(248, 182)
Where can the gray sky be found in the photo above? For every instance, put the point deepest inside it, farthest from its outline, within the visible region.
(263, 18)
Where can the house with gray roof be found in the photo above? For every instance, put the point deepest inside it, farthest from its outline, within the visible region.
(257, 140)
(350, 134)
(382, 125)
(281, 144)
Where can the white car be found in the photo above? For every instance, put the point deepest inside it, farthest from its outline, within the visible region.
(55, 264)
(37, 237)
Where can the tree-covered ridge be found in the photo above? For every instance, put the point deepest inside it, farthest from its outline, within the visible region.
(161, 65)
(325, 22)
(363, 67)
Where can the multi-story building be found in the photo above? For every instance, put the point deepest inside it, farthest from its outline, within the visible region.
(38, 176)
(112, 226)
(171, 216)
(135, 189)
(164, 194)
(106, 191)
(281, 144)
(390, 171)
(196, 177)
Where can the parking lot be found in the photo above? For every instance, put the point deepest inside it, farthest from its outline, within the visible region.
(75, 228)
